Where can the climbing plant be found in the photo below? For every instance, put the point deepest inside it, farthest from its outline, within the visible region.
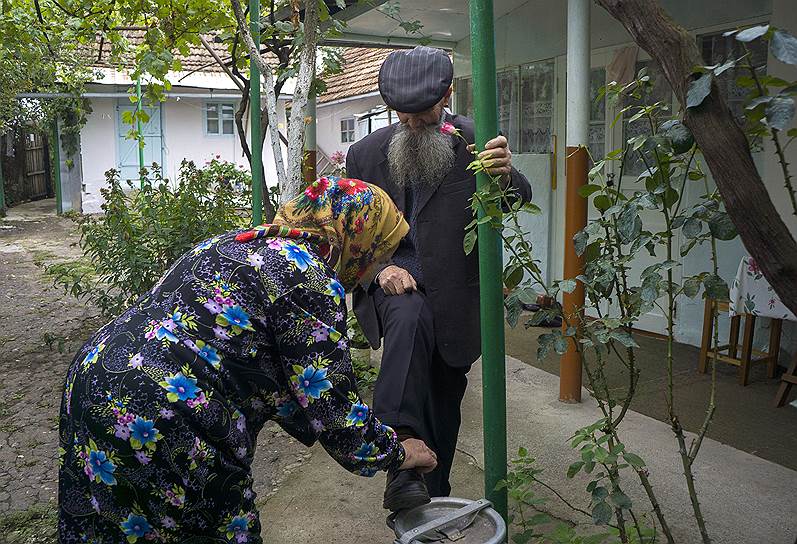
(627, 208)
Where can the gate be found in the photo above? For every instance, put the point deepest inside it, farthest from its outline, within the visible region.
(37, 184)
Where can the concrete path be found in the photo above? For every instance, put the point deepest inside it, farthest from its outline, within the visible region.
(745, 499)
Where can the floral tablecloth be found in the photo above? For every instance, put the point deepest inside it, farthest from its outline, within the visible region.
(752, 294)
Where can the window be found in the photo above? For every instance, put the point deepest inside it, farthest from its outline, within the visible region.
(508, 105)
(716, 49)
(220, 118)
(597, 114)
(347, 130)
(537, 106)
(463, 97)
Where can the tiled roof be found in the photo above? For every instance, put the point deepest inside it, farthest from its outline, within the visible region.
(360, 74)
(197, 58)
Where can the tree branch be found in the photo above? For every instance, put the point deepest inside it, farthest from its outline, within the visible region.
(724, 145)
(271, 97)
(299, 104)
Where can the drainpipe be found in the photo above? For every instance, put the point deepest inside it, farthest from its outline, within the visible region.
(140, 133)
(576, 163)
(55, 143)
(256, 141)
(485, 103)
(310, 146)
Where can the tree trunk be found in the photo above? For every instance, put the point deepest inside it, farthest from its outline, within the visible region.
(722, 142)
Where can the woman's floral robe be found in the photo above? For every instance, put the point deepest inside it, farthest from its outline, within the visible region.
(162, 407)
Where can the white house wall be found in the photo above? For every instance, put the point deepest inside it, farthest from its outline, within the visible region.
(537, 31)
(328, 117)
(98, 151)
(183, 138)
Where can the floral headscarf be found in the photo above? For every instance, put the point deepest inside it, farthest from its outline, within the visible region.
(354, 224)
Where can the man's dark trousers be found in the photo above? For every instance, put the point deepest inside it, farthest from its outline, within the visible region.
(416, 389)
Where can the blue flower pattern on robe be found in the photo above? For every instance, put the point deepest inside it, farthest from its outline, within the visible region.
(168, 398)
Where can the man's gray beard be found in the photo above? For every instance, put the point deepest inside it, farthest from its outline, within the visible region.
(419, 157)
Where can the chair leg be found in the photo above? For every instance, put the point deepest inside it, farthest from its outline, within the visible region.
(708, 326)
(747, 349)
(785, 386)
(733, 340)
(774, 346)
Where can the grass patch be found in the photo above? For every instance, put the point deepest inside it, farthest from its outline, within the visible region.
(36, 525)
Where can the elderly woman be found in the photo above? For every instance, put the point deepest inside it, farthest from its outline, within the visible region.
(163, 406)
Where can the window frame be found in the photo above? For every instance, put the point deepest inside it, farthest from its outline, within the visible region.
(219, 104)
(348, 135)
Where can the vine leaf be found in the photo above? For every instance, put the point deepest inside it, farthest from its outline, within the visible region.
(698, 90)
(784, 47)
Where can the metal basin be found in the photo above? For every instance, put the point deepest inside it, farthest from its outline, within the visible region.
(447, 519)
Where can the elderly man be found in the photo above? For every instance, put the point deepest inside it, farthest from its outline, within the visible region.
(425, 302)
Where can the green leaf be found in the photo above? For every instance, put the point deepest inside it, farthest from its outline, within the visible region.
(522, 452)
(620, 500)
(634, 460)
(780, 112)
(599, 493)
(626, 223)
(580, 241)
(699, 90)
(586, 190)
(469, 242)
(721, 226)
(750, 34)
(602, 203)
(567, 285)
(692, 286)
(716, 287)
(560, 344)
(602, 513)
(574, 469)
(513, 276)
(680, 136)
(784, 47)
(693, 227)
(624, 338)
(539, 519)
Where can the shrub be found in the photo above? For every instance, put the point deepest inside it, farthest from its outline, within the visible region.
(143, 231)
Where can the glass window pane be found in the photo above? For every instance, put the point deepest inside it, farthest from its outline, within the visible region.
(213, 111)
(597, 117)
(213, 126)
(227, 111)
(464, 97)
(537, 107)
(227, 125)
(508, 104)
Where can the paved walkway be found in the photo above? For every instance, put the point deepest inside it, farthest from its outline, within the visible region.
(745, 499)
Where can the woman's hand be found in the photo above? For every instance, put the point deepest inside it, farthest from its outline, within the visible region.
(418, 456)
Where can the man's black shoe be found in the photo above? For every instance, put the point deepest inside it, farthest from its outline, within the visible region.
(404, 489)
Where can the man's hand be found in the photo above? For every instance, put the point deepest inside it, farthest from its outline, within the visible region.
(394, 280)
(417, 455)
(497, 158)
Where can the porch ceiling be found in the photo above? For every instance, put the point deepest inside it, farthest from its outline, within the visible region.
(443, 20)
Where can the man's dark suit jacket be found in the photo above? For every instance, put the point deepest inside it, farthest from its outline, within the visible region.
(451, 278)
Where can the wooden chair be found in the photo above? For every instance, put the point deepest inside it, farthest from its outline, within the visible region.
(732, 347)
(788, 379)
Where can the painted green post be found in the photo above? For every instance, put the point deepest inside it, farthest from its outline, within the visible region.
(482, 41)
(139, 107)
(55, 143)
(256, 140)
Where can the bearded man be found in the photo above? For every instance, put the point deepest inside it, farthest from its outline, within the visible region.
(425, 301)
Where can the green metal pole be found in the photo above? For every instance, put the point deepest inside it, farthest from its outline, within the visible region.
(490, 261)
(56, 145)
(140, 134)
(256, 143)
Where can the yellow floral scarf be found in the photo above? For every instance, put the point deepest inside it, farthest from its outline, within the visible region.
(354, 224)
